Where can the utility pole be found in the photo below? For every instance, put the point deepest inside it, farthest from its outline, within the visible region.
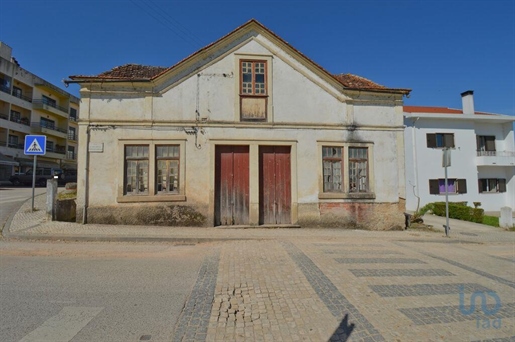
(446, 162)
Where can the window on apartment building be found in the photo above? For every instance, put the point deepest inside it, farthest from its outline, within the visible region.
(73, 114)
(136, 170)
(13, 141)
(5, 85)
(50, 146)
(70, 153)
(253, 89)
(454, 186)
(15, 116)
(17, 92)
(332, 159)
(440, 140)
(358, 169)
(48, 101)
(46, 123)
(492, 185)
(167, 169)
(485, 143)
(72, 133)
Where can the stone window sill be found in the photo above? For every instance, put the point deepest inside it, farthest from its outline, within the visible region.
(346, 195)
(155, 198)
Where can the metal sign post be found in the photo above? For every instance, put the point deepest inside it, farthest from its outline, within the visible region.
(35, 145)
(446, 162)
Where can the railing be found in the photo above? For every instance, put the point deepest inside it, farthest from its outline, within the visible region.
(70, 155)
(4, 116)
(41, 102)
(496, 153)
(59, 150)
(23, 121)
(23, 97)
(72, 136)
(48, 126)
(73, 118)
(12, 145)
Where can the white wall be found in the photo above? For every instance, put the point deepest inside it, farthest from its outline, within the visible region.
(423, 163)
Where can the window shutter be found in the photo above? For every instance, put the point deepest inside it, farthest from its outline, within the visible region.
(480, 185)
(490, 143)
(448, 140)
(431, 140)
(433, 187)
(478, 143)
(502, 185)
(462, 186)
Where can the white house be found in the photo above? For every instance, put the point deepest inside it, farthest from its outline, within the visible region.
(246, 131)
(482, 156)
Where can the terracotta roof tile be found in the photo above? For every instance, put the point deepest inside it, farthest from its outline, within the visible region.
(129, 72)
(140, 72)
(357, 82)
(436, 110)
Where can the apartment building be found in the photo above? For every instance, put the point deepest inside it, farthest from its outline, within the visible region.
(482, 156)
(31, 105)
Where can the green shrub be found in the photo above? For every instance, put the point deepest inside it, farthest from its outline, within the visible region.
(478, 215)
(457, 210)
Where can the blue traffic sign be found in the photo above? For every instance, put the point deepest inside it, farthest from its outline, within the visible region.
(35, 145)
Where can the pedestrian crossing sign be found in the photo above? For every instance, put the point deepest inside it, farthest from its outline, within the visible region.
(35, 145)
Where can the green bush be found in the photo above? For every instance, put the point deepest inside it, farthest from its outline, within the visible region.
(477, 215)
(457, 210)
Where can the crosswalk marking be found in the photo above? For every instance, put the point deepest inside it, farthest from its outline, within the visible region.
(63, 326)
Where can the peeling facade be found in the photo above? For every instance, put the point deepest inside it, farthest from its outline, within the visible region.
(247, 131)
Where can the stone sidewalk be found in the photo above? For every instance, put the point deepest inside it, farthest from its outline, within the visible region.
(26, 224)
(329, 284)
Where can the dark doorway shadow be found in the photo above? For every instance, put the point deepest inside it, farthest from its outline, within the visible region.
(342, 333)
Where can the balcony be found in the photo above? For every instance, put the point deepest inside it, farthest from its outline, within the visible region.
(72, 136)
(41, 127)
(14, 145)
(495, 158)
(50, 107)
(23, 97)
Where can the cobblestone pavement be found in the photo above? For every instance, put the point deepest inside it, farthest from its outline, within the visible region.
(295, 289)
(334, 285)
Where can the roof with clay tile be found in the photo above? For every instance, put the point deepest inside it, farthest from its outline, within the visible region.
(136, 72)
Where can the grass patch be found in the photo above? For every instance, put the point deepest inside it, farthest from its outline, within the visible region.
(491, 221)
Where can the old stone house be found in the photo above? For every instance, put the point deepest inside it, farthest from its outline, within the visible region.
(246, 131)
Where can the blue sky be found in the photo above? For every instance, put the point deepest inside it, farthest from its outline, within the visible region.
(438, 48)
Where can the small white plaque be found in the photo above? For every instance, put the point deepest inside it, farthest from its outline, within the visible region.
(99, 147)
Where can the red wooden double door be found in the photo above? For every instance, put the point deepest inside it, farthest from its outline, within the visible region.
(232, 184)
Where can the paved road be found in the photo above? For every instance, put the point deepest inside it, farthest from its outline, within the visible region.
(347, 286)
(11, 198)
(95, 291)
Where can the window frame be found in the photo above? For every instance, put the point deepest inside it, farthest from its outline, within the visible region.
(447, 140)
(460, 185)
(500, 185)
(485, 143)
(346, 193)
(152, 195)
(241, 97)
(342, 165)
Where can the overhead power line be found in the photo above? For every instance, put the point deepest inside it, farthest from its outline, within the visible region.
(165, 19)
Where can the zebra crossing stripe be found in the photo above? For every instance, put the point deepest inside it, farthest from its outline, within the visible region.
(63, 326)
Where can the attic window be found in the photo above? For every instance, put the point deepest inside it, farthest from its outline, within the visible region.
(253, 90)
